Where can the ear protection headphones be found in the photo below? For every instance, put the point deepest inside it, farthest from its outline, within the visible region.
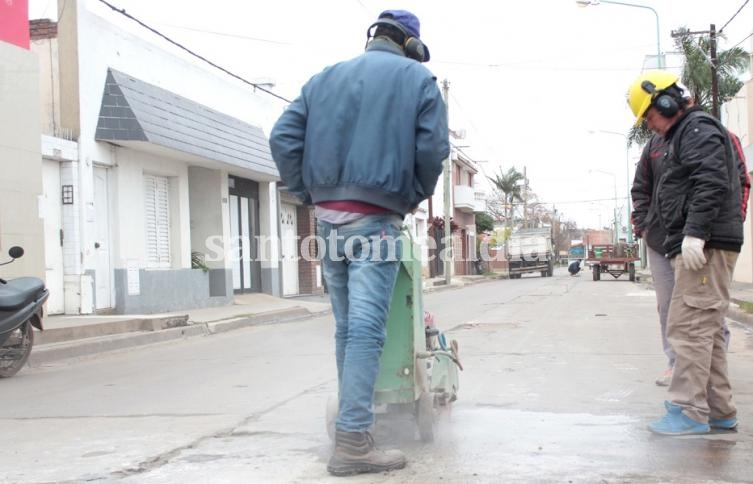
(412, 46)
(667, 101)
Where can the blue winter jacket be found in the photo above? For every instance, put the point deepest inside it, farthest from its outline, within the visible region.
(371, 129)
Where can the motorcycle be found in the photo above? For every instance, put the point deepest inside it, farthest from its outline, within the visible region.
(21, 301)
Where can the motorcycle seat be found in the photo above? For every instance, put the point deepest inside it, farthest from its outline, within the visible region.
(19, 292)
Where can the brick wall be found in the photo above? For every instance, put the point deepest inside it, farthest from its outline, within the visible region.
(43, 29)
(308, 281)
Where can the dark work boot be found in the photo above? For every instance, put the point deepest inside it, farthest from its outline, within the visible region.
(355, 454)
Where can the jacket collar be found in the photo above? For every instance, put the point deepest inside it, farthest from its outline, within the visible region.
(384, 45)
(679, 121)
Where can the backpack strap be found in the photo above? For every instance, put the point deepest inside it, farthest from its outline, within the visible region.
(735, 153)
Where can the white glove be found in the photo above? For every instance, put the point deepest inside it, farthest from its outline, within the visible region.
(692, 252)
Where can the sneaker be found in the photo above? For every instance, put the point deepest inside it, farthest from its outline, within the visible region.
(723, 423)
(677, 423)
(665, 379)
(355, 453)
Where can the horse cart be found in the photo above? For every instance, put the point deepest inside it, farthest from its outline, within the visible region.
(614, 260)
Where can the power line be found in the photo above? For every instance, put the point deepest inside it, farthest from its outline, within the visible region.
(733, 17)
(198, 56)
(539, 67)
(746, 38)
(224, 34)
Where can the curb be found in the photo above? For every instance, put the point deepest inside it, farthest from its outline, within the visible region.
(443, 287)
(67, 334)
(734, 313)
(739, 316)
(50, 352)
(82, 341)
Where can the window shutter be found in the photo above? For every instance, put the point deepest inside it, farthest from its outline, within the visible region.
(157, 218)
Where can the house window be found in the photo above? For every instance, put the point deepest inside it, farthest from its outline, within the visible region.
(157, 220)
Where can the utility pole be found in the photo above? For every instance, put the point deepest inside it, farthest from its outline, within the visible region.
(714, 77)
(714, 60)
(447, 193)
(525, 199)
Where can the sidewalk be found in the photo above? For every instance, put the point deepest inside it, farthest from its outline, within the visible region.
(81, 335)
(740, 295)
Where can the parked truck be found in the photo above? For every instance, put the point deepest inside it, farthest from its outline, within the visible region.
(530, 250)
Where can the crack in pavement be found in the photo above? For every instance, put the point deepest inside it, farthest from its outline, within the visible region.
(83, 417)
(166, 457)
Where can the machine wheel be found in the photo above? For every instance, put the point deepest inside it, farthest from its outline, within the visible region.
(332, 409)
(596, 272)
(425, 416)
(631, 271)
(15, 350)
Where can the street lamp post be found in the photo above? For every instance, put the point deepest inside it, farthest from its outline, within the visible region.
(659, 59)
(627, 180)
(616, 223)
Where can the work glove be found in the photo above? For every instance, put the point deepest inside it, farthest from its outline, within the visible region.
(692, 252)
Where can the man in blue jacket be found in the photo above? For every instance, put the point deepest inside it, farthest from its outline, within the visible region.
(364, 143)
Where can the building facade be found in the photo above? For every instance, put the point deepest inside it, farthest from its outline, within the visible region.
(21, 205)
(158, 177)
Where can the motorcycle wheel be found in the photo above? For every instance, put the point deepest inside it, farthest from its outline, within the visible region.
(16, 349)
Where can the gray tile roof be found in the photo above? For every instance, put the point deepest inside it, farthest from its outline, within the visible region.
(133, 110)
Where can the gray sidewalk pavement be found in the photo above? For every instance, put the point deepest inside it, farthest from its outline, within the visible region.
(83, 335)
(740, 295)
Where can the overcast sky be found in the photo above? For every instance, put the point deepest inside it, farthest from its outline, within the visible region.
(528, 79)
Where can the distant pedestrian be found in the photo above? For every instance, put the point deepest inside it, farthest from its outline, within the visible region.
(574, 267)
(364, 142)
(698, 202)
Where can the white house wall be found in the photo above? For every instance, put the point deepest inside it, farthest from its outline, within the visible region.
(49, 89)
(127, 194)
(101, 46)
(20, 162)
(89, 43)
(737, 114)
(210, 224)
(206, 198)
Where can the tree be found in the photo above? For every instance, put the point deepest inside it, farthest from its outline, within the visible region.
(696, 75)
(484, 222)
(508, 184)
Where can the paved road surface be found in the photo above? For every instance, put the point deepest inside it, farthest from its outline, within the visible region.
(558, 387)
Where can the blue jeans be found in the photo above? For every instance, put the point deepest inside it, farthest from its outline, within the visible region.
(360, 273)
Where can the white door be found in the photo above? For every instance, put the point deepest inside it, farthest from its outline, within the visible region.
(103, 274)
(53, 236)
(240, 232)
(235, 243)
(288, 224)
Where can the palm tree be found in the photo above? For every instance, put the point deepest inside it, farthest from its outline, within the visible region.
(696, 75)
(508, 184)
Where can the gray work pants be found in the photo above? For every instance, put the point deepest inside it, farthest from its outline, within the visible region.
(664, 282)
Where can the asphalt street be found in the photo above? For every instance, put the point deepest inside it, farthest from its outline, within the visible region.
(558, 386)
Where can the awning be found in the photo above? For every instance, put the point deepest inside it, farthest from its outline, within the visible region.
(134, 112)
